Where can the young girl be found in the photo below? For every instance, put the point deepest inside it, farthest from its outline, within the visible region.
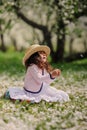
(39, 75)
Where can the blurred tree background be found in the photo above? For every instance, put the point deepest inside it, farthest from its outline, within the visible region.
(62, 25)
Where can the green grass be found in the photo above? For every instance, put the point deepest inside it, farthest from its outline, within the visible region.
(11, 63)
(71, 115)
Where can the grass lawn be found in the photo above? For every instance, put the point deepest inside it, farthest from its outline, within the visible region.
(17, 115)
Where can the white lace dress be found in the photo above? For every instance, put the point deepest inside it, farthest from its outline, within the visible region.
(37, 87)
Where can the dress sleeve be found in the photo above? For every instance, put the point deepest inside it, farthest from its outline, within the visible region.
(38, 77)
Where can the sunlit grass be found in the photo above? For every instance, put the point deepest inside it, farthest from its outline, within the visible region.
(11, 63)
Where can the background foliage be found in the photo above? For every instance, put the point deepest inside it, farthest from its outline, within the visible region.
(50, 22)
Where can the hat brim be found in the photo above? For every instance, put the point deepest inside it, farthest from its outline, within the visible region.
(44, 48)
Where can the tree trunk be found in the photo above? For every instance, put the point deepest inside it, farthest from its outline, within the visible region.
(60, 50)
(71, 46)
(59, 54)
(47, 38)
(2, 47)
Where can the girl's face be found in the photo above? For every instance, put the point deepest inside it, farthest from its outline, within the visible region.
(43, 56)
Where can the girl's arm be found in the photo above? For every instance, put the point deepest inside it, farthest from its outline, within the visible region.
(37, 75)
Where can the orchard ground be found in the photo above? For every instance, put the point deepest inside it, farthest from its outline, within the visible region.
(17, 115)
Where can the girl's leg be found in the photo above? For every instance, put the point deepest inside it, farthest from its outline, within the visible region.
(59, 94)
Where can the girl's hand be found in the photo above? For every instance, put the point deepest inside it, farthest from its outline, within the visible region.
(55, 73)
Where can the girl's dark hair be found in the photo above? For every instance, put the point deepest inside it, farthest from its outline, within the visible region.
(35, 59)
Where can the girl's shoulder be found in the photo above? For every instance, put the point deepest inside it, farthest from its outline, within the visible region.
(33, 66)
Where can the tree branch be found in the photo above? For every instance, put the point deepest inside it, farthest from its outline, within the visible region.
(26, 20)
(46, 33)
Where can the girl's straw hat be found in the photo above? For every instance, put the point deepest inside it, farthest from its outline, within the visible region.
(35, 48)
